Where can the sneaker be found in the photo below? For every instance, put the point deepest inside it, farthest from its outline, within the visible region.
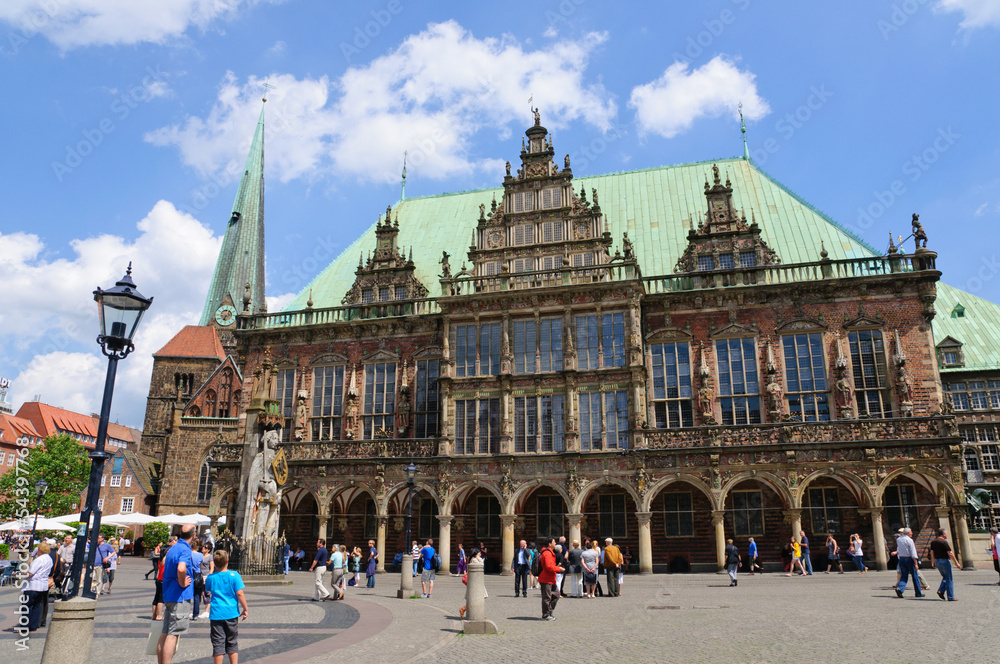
(549, 618)
(940, 594)
(203, 614)
(899, 593)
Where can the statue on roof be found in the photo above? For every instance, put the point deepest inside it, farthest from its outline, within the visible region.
(482, 211)
(566, 162)
(918, 231)
(508, 169)
(715, 173)
(627, 246)
(538, 117)
(445, 265)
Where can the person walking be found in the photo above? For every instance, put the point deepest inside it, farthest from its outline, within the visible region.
(371, 564)
(796, 559)
(207, 568)
(942, 557)
(547, 580)
(154, 558)
(575, 563)
(415, 555)
(833, 555)
(197, 558)
(807, 563)
(36, 589)
(319, 562)
(178, 591)
(521, 567)
(995, 549)
(226, 586)
(287, 555)
(906, 553)
(752, 559)
(532, 581)
(732, 562)
(336, 565)
(462, 561)
(589, 558)
(356, 558)
(427, 572)
(856, 553)
(612, 563)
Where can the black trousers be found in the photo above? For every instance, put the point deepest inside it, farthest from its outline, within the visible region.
(520, 579)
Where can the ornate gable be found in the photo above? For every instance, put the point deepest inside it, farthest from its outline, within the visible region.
(724, 240)
(387, 275)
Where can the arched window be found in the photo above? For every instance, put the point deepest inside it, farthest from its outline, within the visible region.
(210, 403)
(194, 411)
(225, 393)
(204, 484)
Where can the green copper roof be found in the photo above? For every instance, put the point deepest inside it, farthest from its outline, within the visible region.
(241, 258)
(978, 330)
(655, 206)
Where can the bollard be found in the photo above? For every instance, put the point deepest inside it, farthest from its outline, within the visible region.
(475, 602)
(405, 577)
(71, 632)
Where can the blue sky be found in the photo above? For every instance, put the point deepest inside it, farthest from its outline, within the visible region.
(124, 122)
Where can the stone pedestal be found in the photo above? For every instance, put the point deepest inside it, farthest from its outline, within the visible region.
(475, 602)
(71, 632)
(405, 577)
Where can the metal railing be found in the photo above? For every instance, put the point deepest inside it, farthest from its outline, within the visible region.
(564, 276)
(344, 314)
(254, 556)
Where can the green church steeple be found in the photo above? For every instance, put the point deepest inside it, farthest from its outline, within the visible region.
(241, 259)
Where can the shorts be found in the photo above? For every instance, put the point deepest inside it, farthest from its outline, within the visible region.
(177, 618)
(427, 576)
(224, 633)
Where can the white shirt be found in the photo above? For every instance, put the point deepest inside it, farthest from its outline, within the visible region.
(905, 548)
(38, 573)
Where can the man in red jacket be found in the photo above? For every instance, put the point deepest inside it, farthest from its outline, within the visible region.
(547, 580)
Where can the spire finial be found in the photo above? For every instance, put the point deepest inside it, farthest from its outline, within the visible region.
(267, 86)
(743, 130)
(402, 195)
(128, 270)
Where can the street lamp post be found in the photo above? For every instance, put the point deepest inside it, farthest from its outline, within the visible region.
(120, 309)
(41, 486)
(406, 568)
(411, 476)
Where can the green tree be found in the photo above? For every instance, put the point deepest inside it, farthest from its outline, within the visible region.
(62, 463)
(154, 532)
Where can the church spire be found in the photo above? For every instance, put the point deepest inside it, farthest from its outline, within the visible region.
(241, 259)
(743, 130)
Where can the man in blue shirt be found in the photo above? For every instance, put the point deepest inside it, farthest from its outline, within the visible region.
(178, 592)
(319, 564)
(102, 562)
(520, 566)
(752, 561)
(427, 576)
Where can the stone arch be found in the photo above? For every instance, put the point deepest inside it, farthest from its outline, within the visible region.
(526, 489)
(921, 473)
(418, 486)
(857, 485)
(466, 488)
(683, 478)
(769, 479)
(576, 506)
(357, 490)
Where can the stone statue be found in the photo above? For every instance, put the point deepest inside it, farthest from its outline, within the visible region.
(627, 246)
(641, 480)
(301, 415)
(508, 169)
(566, 162)
(403, 412)
(843, 392)
(351, 416)
(593, 194)
(918, 231)
(482, 211)
(445, 265)
(706, 397)
(773, 394)
(904, 390)
(538, 117)
(262, 517)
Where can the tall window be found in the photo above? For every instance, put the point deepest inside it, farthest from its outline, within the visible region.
(117, 464)
(524, 234)
(870, 381)
(613, 337)
(824, 506)
(371, 520)
(465, 344)
(489, 349)
(487, 517)
(425, 522)
(603, 420)
(426, 412)
(538, 424)
(226, 393)
(550, 344)
(971, 460)
(677, 514)
(552, 198)
(211, 403)
(552, 231)
(550, 517)
(991, 458)
(523, 201)
(328, 402)
(738, 385)
(748, 513)
(380, 397)
(588, 342)
(994, 393)
(525, 345)
(128, 505)
(977, 395)
(285, 394)
(116, 480)
(805, 377)
(204, 484)
(672, 398)
(901, 507)
(477, 426)
(612, 515)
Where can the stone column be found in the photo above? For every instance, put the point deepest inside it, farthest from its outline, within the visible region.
(718, 520)
(795, 516)
(405, 577)
(879, 539)
(324, 521)
(575, 521)
(475, 593)
(444, 542)
(71, 632)
(964, 544)
(507, 523)
(944, 521)
(645, 543)
(380, 542)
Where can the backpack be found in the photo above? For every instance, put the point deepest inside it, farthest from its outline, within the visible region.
(436, 562)
(536, 564)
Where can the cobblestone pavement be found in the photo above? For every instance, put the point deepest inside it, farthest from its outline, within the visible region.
(659, 618)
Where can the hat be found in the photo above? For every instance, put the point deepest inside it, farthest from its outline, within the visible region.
(901, 531)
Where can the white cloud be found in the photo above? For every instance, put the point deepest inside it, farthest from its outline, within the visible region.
(670, 105)
(75, 23)
(981, 210)
(428, 97)
(978, 13)
(173, 257)
(278, 302)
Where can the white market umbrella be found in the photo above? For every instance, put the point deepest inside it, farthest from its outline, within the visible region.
(43, 524)
(134, 519)
(68, 518)
(181, 519)
(221, 521)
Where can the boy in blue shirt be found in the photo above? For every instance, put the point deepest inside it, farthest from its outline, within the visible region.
(226, 588)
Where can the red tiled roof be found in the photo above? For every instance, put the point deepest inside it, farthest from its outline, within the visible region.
(49, 420)
(13, 427)
(194, 341)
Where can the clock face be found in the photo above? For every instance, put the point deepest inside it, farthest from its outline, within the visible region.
(226, 315)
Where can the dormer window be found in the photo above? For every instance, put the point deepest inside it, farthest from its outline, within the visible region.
(726, 261)
(551, 198)
(705, 263)
(367, 296)
(748, 259)
(524, 234)
(552, 231)
(523, 201)
(958, 311)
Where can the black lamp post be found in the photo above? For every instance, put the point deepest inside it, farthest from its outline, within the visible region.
(411, 476)
(120, 308)
(41, 486)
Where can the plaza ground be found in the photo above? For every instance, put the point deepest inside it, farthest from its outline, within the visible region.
(660, 618)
